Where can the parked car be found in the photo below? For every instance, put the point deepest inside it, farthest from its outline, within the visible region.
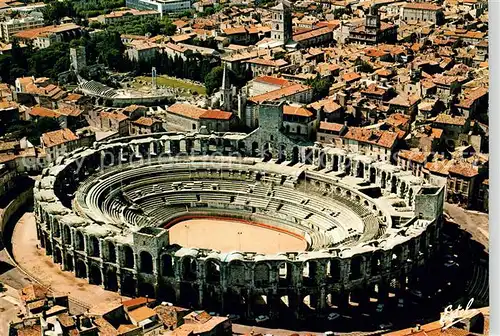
(380, 308)
(401, 303)
(261, 318)
(233, 317)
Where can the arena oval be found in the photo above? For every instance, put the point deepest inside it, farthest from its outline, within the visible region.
(97, 215)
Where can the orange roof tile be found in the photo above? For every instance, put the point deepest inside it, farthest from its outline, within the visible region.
(280, 93)
(142, 313)
(39, 111)
(297, 111)
(273, 81)
(384, 139)
(329, 126)
(58, 137)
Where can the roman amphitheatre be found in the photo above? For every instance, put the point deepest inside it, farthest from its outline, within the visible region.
(198, 220)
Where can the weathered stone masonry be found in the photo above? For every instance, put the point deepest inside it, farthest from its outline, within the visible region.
(105, 225)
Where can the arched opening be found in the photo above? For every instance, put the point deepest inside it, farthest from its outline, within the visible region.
(81, 269)
(260, 305)
(166, 293)
(48, 246)
(212, 272)
(397, 258)
(285, 273)
(241, 147)
(361, 170)
(79, 241)
(309, 269)
(262, 275)
(69, 263)
(146, 262)
(356, 263)
(376, 268)
(308, 156)
(335, 166)
(128, 256)
(111, 257)
(167, 265)
(394, 184)
(189, 269)
(128, 287)
(383, 181)
(423, 244)
(189, 294)
(373, 175)
(255, 149)
(403, 190)
(94, 247)
(237, 273)
(310, 302)
(57, 255)
(146, 290)
(66, 235)
(295, 154)
(333, 270)
(111, 280)
(282, 153)
(55, 229)
(410, 196)
(266, 152)
(347, 166)
(322, 160)
(95, 275)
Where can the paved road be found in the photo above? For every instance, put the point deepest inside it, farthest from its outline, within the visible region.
(475, 223)
(10, 306)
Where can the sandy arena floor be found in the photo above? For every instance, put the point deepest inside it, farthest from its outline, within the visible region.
(231, 235)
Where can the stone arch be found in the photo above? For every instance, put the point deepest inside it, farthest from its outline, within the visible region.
(146, 290)
(410, 196)
(308, 155)
(285, 274)
(111, 249)
(322, 160)
(373, 175)
(376, 263)
(66, 235)
(396, 257)
(56, 232)
(57, 255)
(189, 269)
(95, 249)
(335, 165)
(79, 241)
(266, 152)
(237, 272)
(167, 265)
(383, 181)
(282, 153)
(241, 146)
(295, 154)
(212, 271)
(80, 269)
(95, 277)
(347, 166)
(111, 280)
(309, 271)
(128, 256)
(360, 172)
(68, 263)
(146, 262)
(333, 270)
(128, 286)
(356, 267)
(262, 273)
(403, 190)
(255, 149)
(167, 293)
(394, 182)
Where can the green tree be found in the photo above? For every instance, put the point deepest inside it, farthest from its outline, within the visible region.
(213, 80)
(320, 86)
(363, 66)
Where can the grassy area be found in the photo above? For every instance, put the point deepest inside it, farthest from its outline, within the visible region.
(175, 83)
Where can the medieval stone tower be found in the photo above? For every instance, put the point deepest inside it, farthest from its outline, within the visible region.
(372, 20)
(281, 29)
(226, 94)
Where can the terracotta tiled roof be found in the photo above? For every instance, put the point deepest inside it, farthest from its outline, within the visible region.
(329, 126)
(297, 111)
(235, 30)
(145, 121)
(450, 120)
(268, 62)
(33, 292)
(273, 81)
(65, 320)
(472, 96)
(194, 112)
(34, 330)
(33, 33)
(39, 111)
(141, 313)
(105, 328)
(113, 115)
(384, 139)
(422, 5)
(328, 105)
(374, 89)
(404, 100)
(312, 34)
(464, 169)
(137, 302)
(280, 93)
(397, 120)
(350, 77)
(58, 137)
(414, 156)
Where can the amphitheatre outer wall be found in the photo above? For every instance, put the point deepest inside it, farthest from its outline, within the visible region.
(140, 261)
